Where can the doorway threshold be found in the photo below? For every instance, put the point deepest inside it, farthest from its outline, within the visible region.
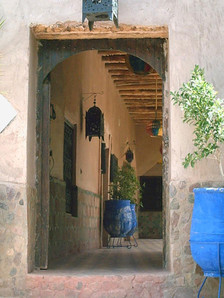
(107, 272)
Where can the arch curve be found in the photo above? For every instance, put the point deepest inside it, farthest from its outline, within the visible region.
(53, 52)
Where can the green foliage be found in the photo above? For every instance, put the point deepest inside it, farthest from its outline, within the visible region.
(1, 23)
(205, 111)
(125, 185)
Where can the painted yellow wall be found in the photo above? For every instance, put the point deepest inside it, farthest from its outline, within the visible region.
(147, 150)
(72, 81)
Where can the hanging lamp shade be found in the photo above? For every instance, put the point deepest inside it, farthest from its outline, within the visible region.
(138, 66)
(153, 127)
(129, 155)
(94, 123)
(100, 10)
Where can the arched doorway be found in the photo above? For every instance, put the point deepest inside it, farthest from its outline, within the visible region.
(50, 54)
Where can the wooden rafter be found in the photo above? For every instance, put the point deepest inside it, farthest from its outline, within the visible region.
(141, 94)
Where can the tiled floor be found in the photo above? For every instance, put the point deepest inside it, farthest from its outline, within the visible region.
(147, 257)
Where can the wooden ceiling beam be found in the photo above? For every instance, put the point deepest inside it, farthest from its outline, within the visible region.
(112, 59)
(122, 74)
(140, 105)
(145, 110)
(150, 86)
(138, 123)
(139, 92)
(144, 114)
(136, 82)
(118, 65)
(142, 98)
(119, 72)
(111, 53)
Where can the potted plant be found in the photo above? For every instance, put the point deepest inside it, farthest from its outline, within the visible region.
(119, 217)
(203, 109)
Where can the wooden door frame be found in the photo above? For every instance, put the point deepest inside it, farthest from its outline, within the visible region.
(50, 53)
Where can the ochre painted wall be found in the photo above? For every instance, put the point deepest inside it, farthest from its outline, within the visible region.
(71, 83)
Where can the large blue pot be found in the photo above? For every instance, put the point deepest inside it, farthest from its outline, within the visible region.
(207, 230)
(117, 220)
(134, 221)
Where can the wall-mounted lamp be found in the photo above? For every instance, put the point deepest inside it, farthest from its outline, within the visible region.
(100, 10)
(52, 112)
(129, 155)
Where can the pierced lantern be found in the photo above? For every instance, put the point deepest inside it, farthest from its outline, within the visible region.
(129, 155)
(153, 128)
(94, 123)
(138, 66)
(100, 10)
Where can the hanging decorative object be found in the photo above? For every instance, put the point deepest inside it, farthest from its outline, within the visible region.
(129, 155)
(52, 112)
(138, 66)
(94, 122)
(153, 127)
(100, 10)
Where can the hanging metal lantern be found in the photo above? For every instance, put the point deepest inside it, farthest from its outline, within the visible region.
(94, 123)
(138, 66)
(153, 127)
(129, 155)
(100, 10)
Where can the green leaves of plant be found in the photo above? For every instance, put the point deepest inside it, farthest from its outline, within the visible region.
(198, 99)
(125, 185)
(1, 22)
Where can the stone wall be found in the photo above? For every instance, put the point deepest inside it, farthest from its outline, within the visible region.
(68, 234)
(150, 225)
(13, 238)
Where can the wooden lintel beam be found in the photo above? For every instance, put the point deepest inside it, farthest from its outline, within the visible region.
(74, 30)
